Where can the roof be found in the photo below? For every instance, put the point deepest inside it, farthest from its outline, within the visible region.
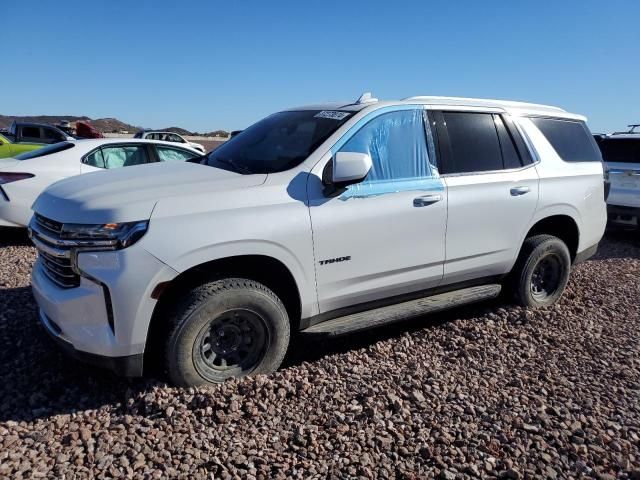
(508, 105)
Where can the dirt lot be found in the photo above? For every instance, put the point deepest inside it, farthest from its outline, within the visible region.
(485, 391)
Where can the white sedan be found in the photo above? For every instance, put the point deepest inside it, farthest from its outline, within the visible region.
(24, 177)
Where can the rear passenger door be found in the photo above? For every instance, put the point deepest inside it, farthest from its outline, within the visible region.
(492, 190)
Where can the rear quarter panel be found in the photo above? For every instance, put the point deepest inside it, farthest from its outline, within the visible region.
(575, 189)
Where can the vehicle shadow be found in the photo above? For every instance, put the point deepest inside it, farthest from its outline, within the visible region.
(313, 347)
(619, 243)
(13, 237)
(39, 381)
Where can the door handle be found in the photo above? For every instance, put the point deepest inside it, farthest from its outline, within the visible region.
(517, 191)
(426, 200)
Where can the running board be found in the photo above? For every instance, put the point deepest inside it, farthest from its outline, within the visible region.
(404, 311)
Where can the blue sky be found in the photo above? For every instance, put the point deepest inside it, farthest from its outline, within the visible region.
(205, 65)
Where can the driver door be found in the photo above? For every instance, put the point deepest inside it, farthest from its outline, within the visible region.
(384, 236)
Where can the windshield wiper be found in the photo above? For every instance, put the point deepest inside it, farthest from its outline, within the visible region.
(237, 168)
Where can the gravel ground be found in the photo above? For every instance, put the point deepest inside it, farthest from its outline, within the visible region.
(485, 391)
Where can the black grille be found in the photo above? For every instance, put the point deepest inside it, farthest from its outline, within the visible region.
(49, 226)
(54, 256)
(59, 270)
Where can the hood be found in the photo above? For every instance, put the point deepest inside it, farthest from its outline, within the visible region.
(130, 193)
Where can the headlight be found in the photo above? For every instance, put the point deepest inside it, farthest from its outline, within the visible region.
(109, 235)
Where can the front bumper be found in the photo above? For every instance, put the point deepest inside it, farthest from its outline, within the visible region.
(129, 366)
(104, 320)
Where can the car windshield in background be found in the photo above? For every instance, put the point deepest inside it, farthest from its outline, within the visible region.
(48, 150)
(278, 142)
(623, 150)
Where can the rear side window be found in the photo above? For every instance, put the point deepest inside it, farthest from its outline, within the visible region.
(52, 136)
(95, 159)
(116, 157)
(31, 132)
(571, 139)
(622, 150)
(168, 154)
(474, 143)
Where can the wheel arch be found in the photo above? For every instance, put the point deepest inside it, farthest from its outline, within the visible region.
(563, 226)
(267, 270)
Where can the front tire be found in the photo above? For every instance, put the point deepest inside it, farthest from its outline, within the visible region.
(226, 328)
(541, 272)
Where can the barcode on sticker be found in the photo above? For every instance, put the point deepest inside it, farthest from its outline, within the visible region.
(332, 114)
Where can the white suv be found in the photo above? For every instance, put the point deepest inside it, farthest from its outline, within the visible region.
(621, 154)
(323, 219)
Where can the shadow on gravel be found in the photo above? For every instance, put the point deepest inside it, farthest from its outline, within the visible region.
(37, 380)
(618, 243)
(313, 347)
(13, 237)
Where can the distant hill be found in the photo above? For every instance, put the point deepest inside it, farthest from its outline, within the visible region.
(105, 125)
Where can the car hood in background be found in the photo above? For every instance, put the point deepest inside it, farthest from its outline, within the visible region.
(130, 193)
(8, 162)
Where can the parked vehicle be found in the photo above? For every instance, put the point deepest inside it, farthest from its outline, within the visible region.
(24, 177)
(324, 219)
(168, 137)
(9, 148)
(621, 154)
(22, 132)
(86, 130)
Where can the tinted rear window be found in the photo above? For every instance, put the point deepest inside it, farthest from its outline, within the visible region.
(623, 150)
(571, 139)
(41, 152)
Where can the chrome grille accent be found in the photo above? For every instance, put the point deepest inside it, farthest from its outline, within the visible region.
(54, 253)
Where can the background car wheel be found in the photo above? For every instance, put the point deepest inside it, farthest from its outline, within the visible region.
(541, 272)
(226, 328)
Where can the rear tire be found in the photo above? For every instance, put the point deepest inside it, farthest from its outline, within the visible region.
(541, 272)
(226, 328)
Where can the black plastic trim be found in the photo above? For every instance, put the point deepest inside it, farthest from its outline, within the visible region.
(586, 254)
(384, 302)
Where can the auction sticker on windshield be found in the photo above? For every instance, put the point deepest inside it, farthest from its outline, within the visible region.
(332, 114)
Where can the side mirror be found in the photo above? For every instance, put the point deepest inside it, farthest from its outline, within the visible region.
(346, 168)
(350, 167)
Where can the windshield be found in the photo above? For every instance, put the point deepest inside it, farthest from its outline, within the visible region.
(48, 150)
(278, 142)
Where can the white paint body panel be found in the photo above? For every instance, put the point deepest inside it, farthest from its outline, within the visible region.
(486, 222)
(198, 214)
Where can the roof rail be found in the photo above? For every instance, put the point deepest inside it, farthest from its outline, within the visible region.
(484, 102)
(633, 127)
